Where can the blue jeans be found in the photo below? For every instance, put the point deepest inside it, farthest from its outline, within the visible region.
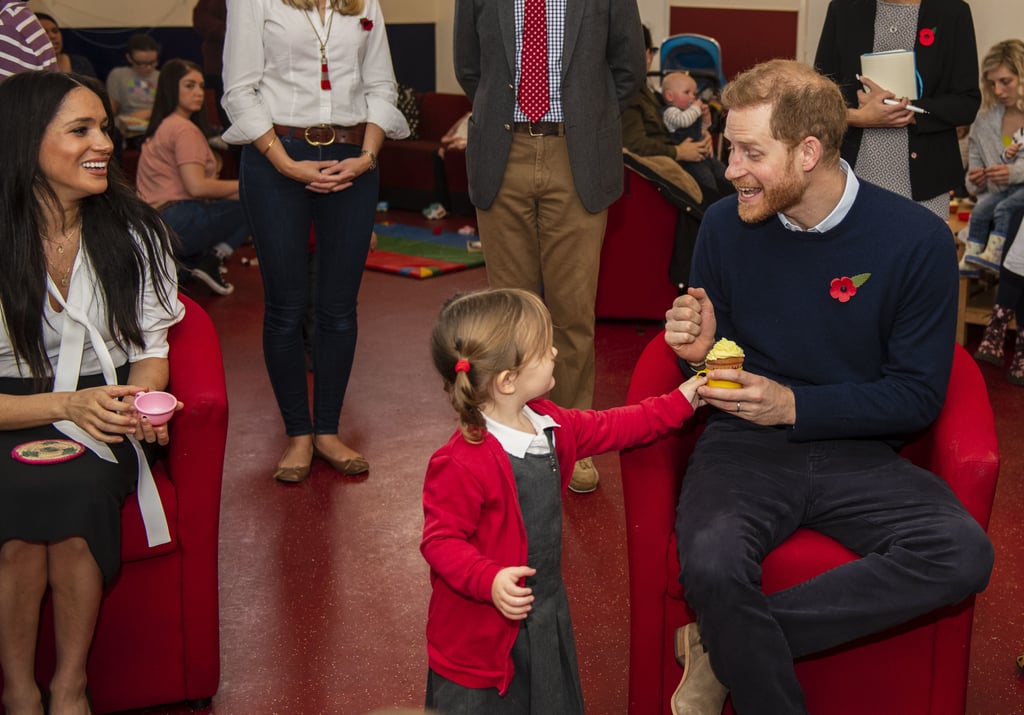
(201, 225)
(281, 212)
(993, 213)
(748, 488)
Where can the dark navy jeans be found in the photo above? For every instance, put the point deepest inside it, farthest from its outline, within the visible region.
(281, 212)
(747, 488)
(201, 225)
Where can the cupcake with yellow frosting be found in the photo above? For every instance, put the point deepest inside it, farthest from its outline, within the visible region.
(725, 354)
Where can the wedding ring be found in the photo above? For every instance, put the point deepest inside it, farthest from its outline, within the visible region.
(737, 407)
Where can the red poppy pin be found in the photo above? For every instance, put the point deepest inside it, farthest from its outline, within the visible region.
(842, 289)
(927, 36)
(367, 24)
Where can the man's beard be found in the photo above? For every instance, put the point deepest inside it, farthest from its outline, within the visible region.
(786, 193)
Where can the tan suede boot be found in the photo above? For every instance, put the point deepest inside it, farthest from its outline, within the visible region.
(584, 477)
(698, 692)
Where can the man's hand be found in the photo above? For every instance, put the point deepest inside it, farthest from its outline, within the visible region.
(690, 325)
(758, 399)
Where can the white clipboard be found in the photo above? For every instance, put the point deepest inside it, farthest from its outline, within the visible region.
(895, 71)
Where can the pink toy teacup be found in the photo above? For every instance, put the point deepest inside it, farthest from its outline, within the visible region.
(156, 407)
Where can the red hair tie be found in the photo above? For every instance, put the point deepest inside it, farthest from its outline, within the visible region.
(462, 366)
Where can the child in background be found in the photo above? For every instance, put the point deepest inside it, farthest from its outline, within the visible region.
(683, 108)
(681, 114)
(499, 636)
(132, 89)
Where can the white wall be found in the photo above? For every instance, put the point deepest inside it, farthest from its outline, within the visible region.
(993, 19)
(118, 13)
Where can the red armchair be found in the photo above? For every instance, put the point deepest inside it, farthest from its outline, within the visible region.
(633, 278)
(656, 211)
(407, 165)
(919, 668)
(157, 640)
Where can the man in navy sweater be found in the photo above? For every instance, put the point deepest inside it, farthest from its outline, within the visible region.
(843, 297)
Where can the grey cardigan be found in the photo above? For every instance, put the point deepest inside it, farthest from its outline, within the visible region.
(985, 147)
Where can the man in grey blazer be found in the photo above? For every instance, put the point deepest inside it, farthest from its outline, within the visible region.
(542, 188)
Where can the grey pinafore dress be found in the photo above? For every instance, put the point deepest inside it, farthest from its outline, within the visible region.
(546, 680)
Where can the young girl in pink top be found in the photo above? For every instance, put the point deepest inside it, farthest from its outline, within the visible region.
(499, 635)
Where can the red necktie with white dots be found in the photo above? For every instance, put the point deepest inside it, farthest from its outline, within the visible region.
(533, 74)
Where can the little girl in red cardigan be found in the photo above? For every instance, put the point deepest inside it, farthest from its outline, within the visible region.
(499, 635)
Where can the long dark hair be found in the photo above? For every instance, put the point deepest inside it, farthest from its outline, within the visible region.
(165, 103)
(123, 237)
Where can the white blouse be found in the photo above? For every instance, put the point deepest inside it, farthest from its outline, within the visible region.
(272, 70)
(83, 295)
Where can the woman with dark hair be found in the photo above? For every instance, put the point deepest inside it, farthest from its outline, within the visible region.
(79, 64)
(310, 90)
(87, 294)
(177, 176)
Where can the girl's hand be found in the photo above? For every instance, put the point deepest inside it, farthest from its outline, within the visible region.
(145, 431)
(103, 411)
(511, 599)
(1011, 151)
(689, 389)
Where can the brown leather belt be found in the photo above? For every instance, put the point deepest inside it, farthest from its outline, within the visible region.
(324, 134)
(540, 129)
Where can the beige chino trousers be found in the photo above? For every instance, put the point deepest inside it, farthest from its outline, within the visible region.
(538, 236)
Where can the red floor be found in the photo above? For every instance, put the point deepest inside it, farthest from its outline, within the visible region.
(323, 590)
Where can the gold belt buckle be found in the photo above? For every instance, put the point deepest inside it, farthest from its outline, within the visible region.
(529, 126)
(316, 143)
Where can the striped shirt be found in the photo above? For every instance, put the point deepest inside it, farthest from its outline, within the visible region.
(23, 43)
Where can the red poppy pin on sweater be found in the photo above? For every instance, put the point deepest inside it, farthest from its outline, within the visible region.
(842, 289)
(927, 36)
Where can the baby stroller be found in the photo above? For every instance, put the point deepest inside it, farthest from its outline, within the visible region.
(701, 56)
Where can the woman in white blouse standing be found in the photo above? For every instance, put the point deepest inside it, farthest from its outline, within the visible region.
(310, 90)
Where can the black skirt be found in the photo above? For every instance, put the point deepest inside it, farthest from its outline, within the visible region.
(46, 503)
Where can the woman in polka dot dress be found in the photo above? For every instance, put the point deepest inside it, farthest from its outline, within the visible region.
(941, 35)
